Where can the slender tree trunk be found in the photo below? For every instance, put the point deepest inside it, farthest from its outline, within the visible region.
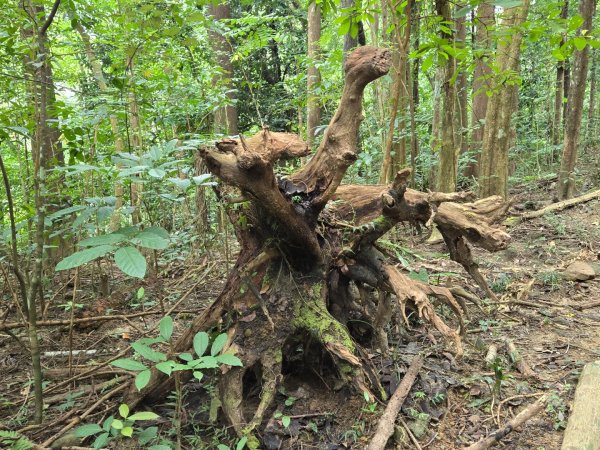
(313, 118)
(484, 22)
(394, 153)
(436, 138)
(566, 179)
(226, 118)
(591, 125)
(493, 175)
(461, 114)
(560, 89)
(446, 176)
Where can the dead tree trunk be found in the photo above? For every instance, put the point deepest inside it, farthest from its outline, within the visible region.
(306, 241)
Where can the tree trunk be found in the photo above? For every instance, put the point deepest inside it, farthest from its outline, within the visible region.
(446, 176)
(394, 152)
(559, 90)
(313, 116)
(226, 118)
(566, 178)
(493, 167)
(591, 124)
(290, 288)
(461, 117)
(484, 23)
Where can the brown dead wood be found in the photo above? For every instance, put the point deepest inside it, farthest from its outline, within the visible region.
(559, 206)
(385, 427)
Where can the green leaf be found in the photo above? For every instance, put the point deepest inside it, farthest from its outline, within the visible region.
(223, 447)
(508, 3)
(131, 261)
(87, 430)
(146, 352)
(147, 434)
(285, 420)
(160, 447)
(129, 364)
(229, 360)
(206, 362)
(186, 357)
(579, 42)
(117, 424)
(218, 344)
(203, 180)
(142, 379)
(157, 173)
(101, 441)
(124, 410)
(198, 375)
(166, 367)
(127, 431)
(140, 293)
(105, 239)
(166, 327)
(144, 415)
(181, 183)
(201, 343)
(150, 240)
(241, 443)
(84, 256)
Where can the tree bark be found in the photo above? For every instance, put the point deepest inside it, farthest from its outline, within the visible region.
(559, 90)
(226, 118)
(591, 124)
(493, 167)
(566, 178)
(484, 22)
(446, 176)
(313, 116)
(461, 114)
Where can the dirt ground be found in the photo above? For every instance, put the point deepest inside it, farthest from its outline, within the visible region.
(453, 403)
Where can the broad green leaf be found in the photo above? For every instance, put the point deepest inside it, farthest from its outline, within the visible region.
(117, 424)
(84, 256)
(151, 240)
(124, 410)
(146, 352)
(105, 239)
(203, 180)
(186, 357)
(157, 173)
(166, 327)
(222, 447)
(229, 360)
(129, 364)
(579, 42)
(101, 441)
(127, 431)
(65, 212)
(144, 415)
(198, 375)
(285, 421)
(131, 261)
(181, 183)
(206, 362)
(147, 434)
(200, 343)
(87, 430)
(142, 379)
(140, 293)
(508, 3)
(241, 443)
(218, 344)
(166, 367)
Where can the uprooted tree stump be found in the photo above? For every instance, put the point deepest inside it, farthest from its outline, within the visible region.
(309, 259)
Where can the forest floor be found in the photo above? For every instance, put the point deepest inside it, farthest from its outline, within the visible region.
(453, 403)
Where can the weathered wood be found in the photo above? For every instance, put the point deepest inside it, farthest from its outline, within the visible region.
(583, 428)
(559, 206)
(519, 420)
(385, 427)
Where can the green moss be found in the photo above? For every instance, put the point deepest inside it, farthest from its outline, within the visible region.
(313, 316)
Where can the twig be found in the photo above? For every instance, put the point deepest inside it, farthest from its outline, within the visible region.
(410, 435)
(514, 397)
(519, 420)
(522, 366)
(385, 427)
(79, 419)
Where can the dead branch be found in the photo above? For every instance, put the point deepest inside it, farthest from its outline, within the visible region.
(518, 360)
(519, 420)
(385, 427)
(554, 207)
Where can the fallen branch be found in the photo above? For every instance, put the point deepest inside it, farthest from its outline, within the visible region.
(385, 427)
(519, 420)
(518, 360)
(554, 207)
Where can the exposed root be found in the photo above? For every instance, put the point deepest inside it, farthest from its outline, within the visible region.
(271, 374)
(232, 391)
(409, 290)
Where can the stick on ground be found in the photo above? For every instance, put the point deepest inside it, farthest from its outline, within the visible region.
(385, 427)
(519, 420)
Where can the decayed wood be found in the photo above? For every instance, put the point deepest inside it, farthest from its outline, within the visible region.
(519, 420)
(583, 428)
(385, 427)
(518, 360)
(556, 206)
